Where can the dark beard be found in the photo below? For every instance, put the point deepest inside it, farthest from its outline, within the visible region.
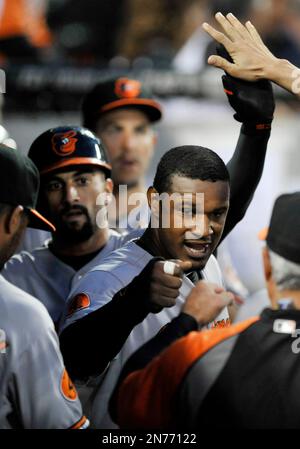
(69, 236)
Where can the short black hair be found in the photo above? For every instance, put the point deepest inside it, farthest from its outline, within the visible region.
(192, 162)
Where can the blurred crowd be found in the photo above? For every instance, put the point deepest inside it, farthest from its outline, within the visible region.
(126, 32)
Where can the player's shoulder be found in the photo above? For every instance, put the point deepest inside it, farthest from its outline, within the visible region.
(121, 239)
(128, 255)
(101, 283)
(21, 309)
(113, 272)
(26, 258)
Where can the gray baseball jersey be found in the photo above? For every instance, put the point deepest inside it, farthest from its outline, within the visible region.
(35, 390)
(97, 288)
(44, 276)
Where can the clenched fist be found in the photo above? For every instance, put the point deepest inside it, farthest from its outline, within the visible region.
(165, 282)
(206, 301)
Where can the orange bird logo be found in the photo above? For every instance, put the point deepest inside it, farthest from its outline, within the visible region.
(79, 302)
(64, 144)
(126, 88)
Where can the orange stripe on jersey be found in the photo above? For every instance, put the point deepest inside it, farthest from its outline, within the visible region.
(67, 387)
(81, 423)
(145, 397)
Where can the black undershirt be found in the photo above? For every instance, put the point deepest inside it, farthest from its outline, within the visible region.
(76, 262)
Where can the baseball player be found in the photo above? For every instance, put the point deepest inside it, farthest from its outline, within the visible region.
(245, 376)
(86, 312)
(122, 112)
(35, 390)
(74, 171)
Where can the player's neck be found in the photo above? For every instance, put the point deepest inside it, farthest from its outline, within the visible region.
(293, 295)
(94, 243)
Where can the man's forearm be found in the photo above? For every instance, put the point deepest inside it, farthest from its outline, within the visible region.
(245, 169)
(285, 74)
(252, 60)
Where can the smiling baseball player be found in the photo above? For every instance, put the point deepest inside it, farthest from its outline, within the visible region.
(96, 291)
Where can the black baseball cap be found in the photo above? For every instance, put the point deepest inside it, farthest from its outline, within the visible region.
(65, 146)
(19, 185)
(116, 93)
(283, 234)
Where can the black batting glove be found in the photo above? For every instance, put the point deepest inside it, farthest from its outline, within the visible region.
(253, 102)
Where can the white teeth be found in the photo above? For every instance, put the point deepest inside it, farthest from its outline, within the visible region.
(189, 235)
(196, 252)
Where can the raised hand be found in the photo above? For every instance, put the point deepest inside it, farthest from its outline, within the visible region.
(252, 60)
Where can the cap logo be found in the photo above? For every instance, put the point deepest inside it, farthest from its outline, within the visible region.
(64, 144)
(126, 88)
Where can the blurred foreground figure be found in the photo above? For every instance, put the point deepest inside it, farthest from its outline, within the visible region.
(35, 390)
(24, 33)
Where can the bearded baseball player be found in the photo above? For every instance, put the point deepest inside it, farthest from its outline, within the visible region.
(35, 389)
(184, 170)
(74, 171)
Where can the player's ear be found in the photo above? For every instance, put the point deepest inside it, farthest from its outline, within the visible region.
(154, 138)
(109, 185)
(270, 283)
(13, 219)
(267, 264)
